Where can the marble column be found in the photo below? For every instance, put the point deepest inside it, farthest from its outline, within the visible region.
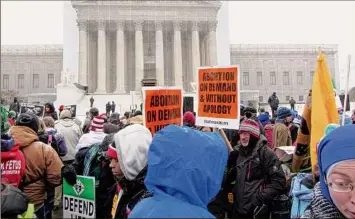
(195, 50)
(120, 58)
(83, 53)
(101, 58)
(159, 53)
(177, 54)
(139, 55)
(212, 43)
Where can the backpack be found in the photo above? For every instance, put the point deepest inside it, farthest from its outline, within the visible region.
(301, 195)
(93, 163)
(268, 134)
(49, 139)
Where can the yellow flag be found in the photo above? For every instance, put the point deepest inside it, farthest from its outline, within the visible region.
(324, 109)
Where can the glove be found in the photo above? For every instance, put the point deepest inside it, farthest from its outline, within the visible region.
(69, 174)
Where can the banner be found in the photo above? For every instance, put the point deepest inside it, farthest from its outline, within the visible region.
(324, 110)
(72, 109)
(218, 95)
(38, 110)
(79, 199)
(162, 107)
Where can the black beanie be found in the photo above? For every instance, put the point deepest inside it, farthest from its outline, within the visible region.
(29, 120)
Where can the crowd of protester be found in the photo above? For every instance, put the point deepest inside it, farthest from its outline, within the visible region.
(182, 171)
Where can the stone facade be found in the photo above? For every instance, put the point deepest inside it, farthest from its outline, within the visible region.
(123, 42)
(31, 70)
(285, 69)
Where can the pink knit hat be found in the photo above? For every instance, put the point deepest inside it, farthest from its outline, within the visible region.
(251, 127)
(97, 124)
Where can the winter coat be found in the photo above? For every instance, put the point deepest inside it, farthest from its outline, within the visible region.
(93, 137)
(71, 133)
(132, 145)
(86, 126)
(13, 201)
(12, 164)
(320, 207)
(292, 102)
(43, 165)
(273, 102)
(132, 192)
(15, 107)
(105, 189)
(281, 135)
(293, 132)
(259, 178)
(55, 140)
(108, 107)
(77, 121)
(254, 177)
(183, 173)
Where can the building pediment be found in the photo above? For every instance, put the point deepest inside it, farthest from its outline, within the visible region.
(216, 4)
(147, 10)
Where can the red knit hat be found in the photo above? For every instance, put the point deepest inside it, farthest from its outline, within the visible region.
(61, 108)
(251, 127)
(189, 119)
(112, 153)
(97, 124)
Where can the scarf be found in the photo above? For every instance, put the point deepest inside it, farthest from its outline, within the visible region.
(320, 207)
(89, 157)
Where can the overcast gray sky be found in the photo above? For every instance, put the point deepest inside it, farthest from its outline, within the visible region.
(41, 22)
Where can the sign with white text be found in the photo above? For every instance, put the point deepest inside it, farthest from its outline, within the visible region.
(79, 199)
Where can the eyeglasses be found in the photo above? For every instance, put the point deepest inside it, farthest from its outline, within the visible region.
(340, 186)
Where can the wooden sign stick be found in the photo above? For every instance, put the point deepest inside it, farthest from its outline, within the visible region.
(229, 146)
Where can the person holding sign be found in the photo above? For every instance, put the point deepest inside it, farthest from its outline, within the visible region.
(257, 173)
(185, 171)
(129, 154)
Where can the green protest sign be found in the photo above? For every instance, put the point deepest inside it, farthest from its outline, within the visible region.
(79, 199)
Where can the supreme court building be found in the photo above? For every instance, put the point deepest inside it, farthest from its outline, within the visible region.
(123, 42)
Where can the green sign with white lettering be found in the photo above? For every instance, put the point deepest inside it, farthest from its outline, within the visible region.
(79, 199)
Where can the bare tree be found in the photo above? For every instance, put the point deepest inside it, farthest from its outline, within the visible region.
(7, 97)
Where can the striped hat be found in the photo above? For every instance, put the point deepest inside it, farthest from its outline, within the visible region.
(251, 127)
(97, 124)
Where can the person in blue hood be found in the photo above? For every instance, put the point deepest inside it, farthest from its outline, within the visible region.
(334, 195)
(185, 171)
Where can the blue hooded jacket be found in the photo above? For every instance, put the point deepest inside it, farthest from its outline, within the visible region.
(336, 147)
(185, 171)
